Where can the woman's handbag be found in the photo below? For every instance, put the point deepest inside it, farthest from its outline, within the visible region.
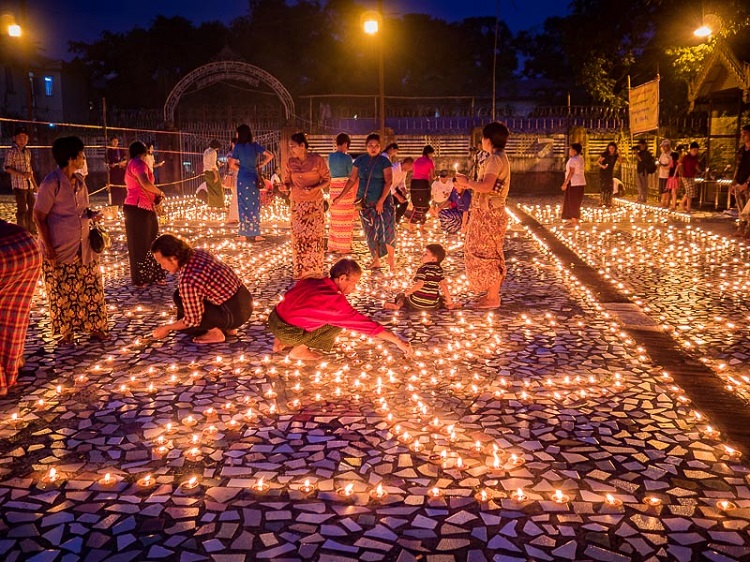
(360, 202)
(99, 238)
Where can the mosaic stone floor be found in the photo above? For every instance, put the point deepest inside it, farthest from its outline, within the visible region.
(538, 432)
(693, 278)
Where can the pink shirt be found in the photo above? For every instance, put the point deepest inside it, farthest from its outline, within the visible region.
(314, 303)
(136, 194)
(424, 169)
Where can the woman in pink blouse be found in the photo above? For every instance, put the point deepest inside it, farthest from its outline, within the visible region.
(305, 177)
(141, 224)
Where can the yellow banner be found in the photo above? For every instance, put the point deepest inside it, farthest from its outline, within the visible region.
(644, 107)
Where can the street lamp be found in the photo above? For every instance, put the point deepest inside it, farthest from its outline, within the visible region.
(710, 24)
(371, 24)
(14, 30)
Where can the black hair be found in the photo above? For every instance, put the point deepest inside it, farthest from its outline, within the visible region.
(577, 147)
(66, 149)
(438, 251)
(343, 138)
(244, 134)
(642, 141)
(20, 131)
(372, 136)
(613, 144)
(407, 160)
(215, 144)
(694, 145)
(746, 128)
(392, 146)
(345, 266)
(136, 149)
(497, 133)
(300, 138)
(150, 144)
(172, 247)
(428, 150)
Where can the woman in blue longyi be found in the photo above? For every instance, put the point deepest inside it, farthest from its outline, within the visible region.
(249, 156)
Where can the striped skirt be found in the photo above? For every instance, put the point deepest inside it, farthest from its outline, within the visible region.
(342, 218)
(380, 229)
(19, 272)
(451, 220)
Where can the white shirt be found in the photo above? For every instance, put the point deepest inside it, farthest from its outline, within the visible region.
(399, 178)
(665, 161)
(576, 164)
(441, 190)
(210, 158)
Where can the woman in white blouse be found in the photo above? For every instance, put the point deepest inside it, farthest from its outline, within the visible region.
(573, 186)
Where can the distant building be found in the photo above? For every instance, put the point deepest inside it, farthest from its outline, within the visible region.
(46, 97)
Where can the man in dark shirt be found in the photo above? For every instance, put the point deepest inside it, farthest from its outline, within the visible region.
(740, 181)
(644, 157)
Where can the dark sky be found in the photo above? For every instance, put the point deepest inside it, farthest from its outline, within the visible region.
(58, 21)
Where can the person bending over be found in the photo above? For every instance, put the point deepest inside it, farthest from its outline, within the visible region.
(314, 311)
(211, 300)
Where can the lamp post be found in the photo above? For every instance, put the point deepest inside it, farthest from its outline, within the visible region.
(372, 23)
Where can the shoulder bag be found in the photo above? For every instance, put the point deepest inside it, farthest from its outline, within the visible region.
(360, 202)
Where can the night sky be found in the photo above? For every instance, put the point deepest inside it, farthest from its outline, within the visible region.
(59, 21)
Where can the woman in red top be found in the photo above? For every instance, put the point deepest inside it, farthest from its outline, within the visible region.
(314, 312)
(421, 181)
(141, 224)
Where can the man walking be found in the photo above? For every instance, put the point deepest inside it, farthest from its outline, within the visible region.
(18, 165)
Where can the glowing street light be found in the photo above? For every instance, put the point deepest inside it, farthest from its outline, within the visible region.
(703, 31)
(371, 26)
(14, 30)
(371, 22)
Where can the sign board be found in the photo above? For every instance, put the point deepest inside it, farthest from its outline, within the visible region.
(644, 107)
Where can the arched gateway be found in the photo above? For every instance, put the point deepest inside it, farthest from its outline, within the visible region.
(220, 71)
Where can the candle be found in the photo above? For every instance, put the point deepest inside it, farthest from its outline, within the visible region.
(559, 497)
(170, 428)
(210, 412)
(307, 488)
(189, 484)
(725, 505)
(653, 501)
(346, 491)
(51, 477)
(610, 500)
(260, 486)
(193, 454)
(40, 404)
(482, 496)
(146, 482)
(14, 419)
(189, 421)
(519, 495)
(515, 460)
(107, 481)
(378, 493)
(434, 492)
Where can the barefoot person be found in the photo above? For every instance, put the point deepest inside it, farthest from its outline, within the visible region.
(211, 300)
(485, 233)
(314, 311)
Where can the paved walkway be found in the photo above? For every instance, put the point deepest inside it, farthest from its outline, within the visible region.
(547, 397)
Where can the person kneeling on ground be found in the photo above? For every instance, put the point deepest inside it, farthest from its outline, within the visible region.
(314, 311)
(429, 282)
(211, 300)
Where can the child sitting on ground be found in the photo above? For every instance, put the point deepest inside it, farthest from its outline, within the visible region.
(429, 282)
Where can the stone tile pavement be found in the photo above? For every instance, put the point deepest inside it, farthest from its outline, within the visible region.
(540, 431)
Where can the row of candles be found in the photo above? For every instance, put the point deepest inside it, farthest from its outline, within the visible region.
(727, 275)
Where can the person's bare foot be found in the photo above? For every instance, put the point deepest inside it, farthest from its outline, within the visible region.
(214, 335)
(391, 306)
(486, 304)
(278, 346)
(230, 332)
(260, 238)
(374, 265)
(99, 335)
(304, 353)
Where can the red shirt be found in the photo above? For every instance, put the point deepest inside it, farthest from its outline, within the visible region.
(204, 278)
(689, 165)
(314, 303)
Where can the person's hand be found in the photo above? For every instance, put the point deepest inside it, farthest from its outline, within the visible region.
(462, 180)
(453, 305)
(160, 333)
(162, 194)
(97, 216)
(27, 175)
(406, 347)
(379, 207)
(564, 186)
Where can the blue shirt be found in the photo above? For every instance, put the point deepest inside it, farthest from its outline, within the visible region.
(462, 202)
(247, 153)
(371, 169)
(340, 164)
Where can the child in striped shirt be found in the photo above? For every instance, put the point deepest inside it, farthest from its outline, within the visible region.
(429, 283)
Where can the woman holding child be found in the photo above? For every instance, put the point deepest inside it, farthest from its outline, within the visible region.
(485, 232)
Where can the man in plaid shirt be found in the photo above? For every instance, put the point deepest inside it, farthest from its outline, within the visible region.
(19, 273)
(18, 165)
(211, 300)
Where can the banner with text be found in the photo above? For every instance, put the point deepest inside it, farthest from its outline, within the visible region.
(644, 107)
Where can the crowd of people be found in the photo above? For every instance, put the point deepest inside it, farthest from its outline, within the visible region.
(52, 237)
